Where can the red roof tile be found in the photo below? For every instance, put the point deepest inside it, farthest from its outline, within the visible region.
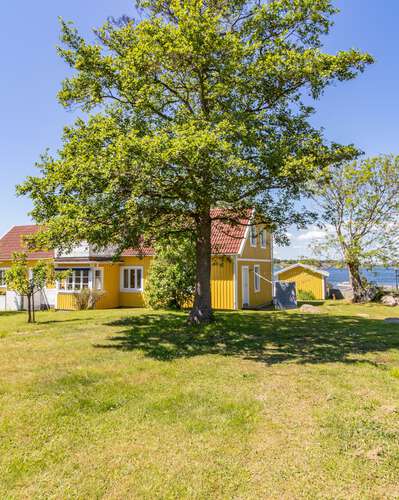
(142, 252)
(13, 242)
(225, 239)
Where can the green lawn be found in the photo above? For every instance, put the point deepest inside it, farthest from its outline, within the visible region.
(136, 404)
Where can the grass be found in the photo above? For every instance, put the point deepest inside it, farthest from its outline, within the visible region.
(136, 404)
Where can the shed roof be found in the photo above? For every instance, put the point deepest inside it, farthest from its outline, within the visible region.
(304, 266)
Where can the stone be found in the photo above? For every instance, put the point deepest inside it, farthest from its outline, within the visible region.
(308, 308)
(392, 320)
(389, 300)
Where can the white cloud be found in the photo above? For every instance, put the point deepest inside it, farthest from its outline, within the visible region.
(312, 234)
(315, 233)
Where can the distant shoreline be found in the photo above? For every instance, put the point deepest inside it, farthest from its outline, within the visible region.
(380, 275)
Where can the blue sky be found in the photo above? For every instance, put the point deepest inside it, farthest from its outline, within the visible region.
(364, 111)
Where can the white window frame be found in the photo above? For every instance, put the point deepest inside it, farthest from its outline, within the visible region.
(263, 238)
(253, 237)
(257, 285)
(101, 271)
(74, 290)
(135, 289)
(3, 269)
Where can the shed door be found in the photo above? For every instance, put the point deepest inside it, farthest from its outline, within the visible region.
(245, 286)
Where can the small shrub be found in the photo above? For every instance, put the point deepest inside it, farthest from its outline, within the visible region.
(305, 295)
(87, 299)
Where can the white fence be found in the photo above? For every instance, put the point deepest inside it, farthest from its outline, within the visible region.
(13, 302)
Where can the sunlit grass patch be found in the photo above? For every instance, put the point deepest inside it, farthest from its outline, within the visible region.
(138, 404)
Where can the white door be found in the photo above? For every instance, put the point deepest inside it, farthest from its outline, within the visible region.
(245, 286)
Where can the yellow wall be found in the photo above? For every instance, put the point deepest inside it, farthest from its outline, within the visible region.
(66, 301)
(110, 299)
(257, 252)
(265, 295)
(134, 299)
(261, 257)
(305, 280)
(222, 282)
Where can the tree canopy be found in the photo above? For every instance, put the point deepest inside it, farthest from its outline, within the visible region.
(200, 104)
(26, 281)
(360, 209)
(171, 280)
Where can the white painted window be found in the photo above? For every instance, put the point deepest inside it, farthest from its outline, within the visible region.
(253, 237)
(76, 281)
(257, 278)
(3, 278)
(262, 237)
(98, 280)
(132, 279)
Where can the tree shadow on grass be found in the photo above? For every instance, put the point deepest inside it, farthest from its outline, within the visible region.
(59, 321)
(265, 337)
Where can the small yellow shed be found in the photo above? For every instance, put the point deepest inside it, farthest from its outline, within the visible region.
(306, 278)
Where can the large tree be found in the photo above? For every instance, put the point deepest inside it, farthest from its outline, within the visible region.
(359, 204)
(200, 104)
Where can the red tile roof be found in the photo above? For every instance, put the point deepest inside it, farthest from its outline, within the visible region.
(142, 252)
(225, 239)
(13, 242)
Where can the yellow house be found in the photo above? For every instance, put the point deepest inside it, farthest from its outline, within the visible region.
(241, 274)
(306, 278)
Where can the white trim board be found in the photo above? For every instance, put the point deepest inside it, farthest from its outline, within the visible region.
(244, 240)
(257, 278)
(246, 269)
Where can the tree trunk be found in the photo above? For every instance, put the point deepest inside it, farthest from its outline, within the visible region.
(356, 282)
(29, 309)
(201, 311)
(33, 308)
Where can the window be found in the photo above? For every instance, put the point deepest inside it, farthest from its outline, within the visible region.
(77, 280)
(253, 236)
(132, 279)
(257, 278)
(262, 237)
(2, 278)
(98, 282)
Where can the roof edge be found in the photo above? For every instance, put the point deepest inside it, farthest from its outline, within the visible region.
(305, 266)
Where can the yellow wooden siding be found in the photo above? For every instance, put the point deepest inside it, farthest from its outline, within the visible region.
(305, 280)
(135, 299)
(257, 252)
(66, 301)
(110, 299)
(222, 282)
(265, 295)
